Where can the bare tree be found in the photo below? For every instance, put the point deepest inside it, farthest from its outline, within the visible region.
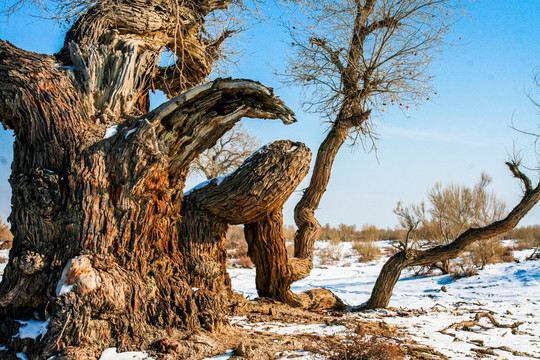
(390, 272)
(228, 154)
(451, 210)
(357, 58)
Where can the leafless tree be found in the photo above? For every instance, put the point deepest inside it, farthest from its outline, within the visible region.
(356, 58)
(452, 209)
(486, 222)
(410, 218)
(227, 155)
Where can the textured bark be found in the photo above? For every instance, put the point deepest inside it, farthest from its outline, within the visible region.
(382, 291)
(352, 114)
(274, 275)
(304, 213)
(102, 215)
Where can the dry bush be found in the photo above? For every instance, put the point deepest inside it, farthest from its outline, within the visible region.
(236, 245)
(289, 245)
(340, 233)
(6, 238)
(392, 234)
(360, 346)
(235, 237)
(244, 262)
(330, 254)
(289, 231)
(370, 233)
(3, 260)
(490, 251)
(451, 210)
(463, 267)
(527, 237)
(366, 250)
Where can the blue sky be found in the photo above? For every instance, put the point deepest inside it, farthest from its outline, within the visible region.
(481, 86)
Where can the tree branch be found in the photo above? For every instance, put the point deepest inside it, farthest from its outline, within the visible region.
(194, 120)
(334, 55)
(260, 185)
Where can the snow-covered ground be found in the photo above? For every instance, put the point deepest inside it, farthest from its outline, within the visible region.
(424, 308)
(508, 291)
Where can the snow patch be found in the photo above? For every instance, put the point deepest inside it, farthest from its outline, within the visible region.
(111, 131)
(218, 180)
(31, 329)
(227, 355)
(111, 354)
(77, 271)
(22, 356)
(64, 289)
(293, 148)
(510, 290)
(129, 133)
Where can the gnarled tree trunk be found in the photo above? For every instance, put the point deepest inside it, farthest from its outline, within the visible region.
(105, 246)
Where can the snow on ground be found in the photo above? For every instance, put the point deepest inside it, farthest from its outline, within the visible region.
(421, 307)
(111, 354)
(4, 254)
(508, 291)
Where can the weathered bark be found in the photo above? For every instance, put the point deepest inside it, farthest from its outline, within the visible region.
(99, 245)
(389, 275)
(252, 194)
(353, 114)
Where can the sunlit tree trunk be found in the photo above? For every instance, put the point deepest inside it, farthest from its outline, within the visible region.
(105, 245)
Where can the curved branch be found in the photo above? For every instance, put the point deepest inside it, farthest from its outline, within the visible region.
(261, 185)
(193, 121)
(382, 291)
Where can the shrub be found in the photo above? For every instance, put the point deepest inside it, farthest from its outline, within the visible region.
(451, 210)
(360, 346)
(527, 237)
(490, 251)
(244, 262)
(6, 238)
(330, 254)
(289, 231)
(370, 233)
(366, 250)
(236, 245)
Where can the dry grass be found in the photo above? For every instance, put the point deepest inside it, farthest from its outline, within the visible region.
(360, 345)
(237, 247)
(244, 262)
(330, 254)
(370, 233)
